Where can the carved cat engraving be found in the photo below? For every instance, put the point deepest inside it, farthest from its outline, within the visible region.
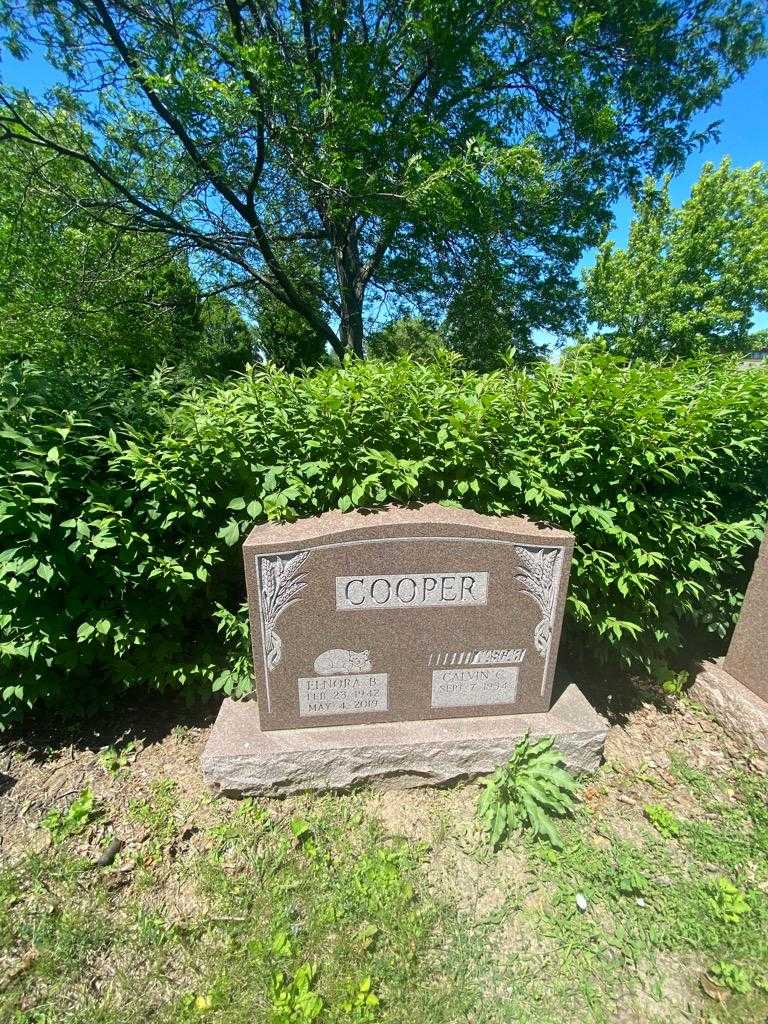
(337, 662)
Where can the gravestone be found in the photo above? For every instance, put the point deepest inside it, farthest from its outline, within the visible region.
(408, 646)
(736, 689)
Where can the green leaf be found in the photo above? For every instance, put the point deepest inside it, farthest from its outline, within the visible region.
(102, 540)
(230, 533)
(532, 785)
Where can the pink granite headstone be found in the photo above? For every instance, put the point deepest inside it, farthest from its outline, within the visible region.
(747, 657)
(735, 689)
(402, 647)
(405, 614)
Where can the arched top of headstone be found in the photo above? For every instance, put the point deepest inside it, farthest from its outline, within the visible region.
(423, 520)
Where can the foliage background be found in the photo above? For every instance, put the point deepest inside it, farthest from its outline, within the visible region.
(335, 154)
(692, 279)
(122, 520)
(77, 286)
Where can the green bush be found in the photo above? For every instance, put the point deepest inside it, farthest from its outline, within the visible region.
(122, 521)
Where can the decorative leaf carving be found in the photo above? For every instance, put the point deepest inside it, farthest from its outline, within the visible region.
(281, 584)
(539, 576)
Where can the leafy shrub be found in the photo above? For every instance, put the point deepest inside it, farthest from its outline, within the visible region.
(728, 902)
(121, 520)
(293, 999)
(79, 814)
(531, 788)
(77, 565)
(730, 976)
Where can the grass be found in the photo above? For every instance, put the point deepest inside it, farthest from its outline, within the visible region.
(358, 908)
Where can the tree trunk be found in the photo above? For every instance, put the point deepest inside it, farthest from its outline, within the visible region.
(352, 323)
(351, 292)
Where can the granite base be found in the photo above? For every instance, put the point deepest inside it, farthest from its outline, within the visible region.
(739, 711)
(240, 760)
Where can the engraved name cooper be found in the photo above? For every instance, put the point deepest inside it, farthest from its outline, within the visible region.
(439, 589)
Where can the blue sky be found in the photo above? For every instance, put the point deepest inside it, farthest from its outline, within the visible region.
(743, 112)
(743, 136)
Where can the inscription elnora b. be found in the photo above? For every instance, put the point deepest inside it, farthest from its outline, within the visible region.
(419, 590)
(357, 693)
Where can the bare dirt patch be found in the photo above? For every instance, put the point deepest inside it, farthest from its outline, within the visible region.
(154, 740)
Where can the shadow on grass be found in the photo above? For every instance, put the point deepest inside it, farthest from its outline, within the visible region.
(140, 717)
(150, 717)
(616, 692)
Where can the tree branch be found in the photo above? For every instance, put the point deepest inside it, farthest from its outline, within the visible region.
(236, 19)
(247, 211)
(132, 62)
(167, 223)
(310, 46)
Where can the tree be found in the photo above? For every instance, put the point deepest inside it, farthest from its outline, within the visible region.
(492, 312)
(284, 337)
(691, 279)
(387, 140)
(72, 288)
(227, 342)
(410, 335)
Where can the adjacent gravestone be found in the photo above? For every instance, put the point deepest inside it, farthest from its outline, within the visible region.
(413, 645)
(736, 689)
(746, 657)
